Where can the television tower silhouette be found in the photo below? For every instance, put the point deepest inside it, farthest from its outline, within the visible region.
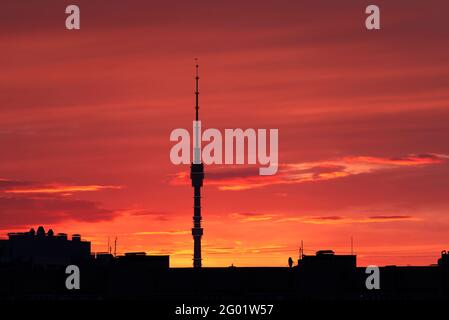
(197, 177)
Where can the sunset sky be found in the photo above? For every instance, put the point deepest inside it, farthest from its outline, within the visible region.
(363, 119)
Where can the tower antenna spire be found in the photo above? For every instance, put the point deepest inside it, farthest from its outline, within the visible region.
(197, 92)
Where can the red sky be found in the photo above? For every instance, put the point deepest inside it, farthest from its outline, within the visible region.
(362, 116)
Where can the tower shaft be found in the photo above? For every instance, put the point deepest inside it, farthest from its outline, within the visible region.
(197, 177)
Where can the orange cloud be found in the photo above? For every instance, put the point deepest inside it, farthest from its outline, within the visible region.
(168, 233)
(344, 220)
(294, 173)
(52, 189)
(252, 217)
(23, 203)
(258, 217)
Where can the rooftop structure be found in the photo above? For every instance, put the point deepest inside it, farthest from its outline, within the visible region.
(43, 247)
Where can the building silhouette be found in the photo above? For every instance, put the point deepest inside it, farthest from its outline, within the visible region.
(325, 274)
(44, 248)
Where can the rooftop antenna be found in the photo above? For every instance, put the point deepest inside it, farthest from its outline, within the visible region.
(109, 245)
(115, 246)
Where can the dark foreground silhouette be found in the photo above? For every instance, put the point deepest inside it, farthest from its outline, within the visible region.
(33, 267)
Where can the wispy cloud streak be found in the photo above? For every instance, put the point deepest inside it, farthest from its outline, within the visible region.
(295, 173)
(279, 218)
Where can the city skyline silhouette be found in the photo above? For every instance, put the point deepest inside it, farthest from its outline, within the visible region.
(362, 116)
(34, 264)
